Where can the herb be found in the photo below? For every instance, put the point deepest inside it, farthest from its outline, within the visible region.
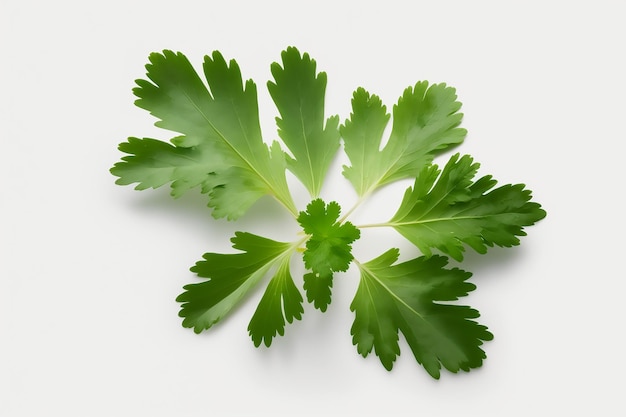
(220, 151)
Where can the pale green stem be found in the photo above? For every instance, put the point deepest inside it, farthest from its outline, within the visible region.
(290, 206)
(372, 225)
(297, 245)
(354, 207)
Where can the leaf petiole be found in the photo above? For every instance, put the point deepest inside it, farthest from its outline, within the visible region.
(373, 225)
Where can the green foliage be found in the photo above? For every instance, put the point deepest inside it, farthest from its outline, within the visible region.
(299, 96)
(445, 209)
(329, 245)
(218, 149)
(403, 297)
(328, 248)
(425, 123)
(220, 132)
(230, 278)
(281, 301)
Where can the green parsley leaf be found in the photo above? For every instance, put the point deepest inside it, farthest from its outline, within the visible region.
(281, 301)
(328, 249)
(425, 123)
(299, 96)
(330, 245)
(318, 289)
(445, 210)
(152, 163)
(406, 298)
(231, 277)
(221, 136)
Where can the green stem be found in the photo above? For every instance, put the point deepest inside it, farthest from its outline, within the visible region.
(297, 245)
(372, 225)
(289, 205)
(354, 207)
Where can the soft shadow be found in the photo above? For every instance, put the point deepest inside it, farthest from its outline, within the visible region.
(496, 262)
(266, 217)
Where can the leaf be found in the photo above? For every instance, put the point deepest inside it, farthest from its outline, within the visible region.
(425, 123)
(231, 277)
(299, 92)
(241, 191)
(318, 289)
(281, 301)
(220, 135)
(152, 163)
(328, 249)
(406, 298)
(446, 210)
(362, 135)
(330, 245)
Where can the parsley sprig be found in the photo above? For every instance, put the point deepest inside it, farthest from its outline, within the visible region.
(219, 149)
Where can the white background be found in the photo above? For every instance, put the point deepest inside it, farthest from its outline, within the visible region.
(89, 270)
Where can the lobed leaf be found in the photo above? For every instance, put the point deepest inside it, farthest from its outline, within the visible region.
(328, 249)
(299, 92)
(446, 210)
(318, 289)
(153, 163)
(220, 135)
(281, 302)
(425, 123)
(330, 245)
(230, 278)
(406, 298)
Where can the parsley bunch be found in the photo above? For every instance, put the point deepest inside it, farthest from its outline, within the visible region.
(220, 151)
